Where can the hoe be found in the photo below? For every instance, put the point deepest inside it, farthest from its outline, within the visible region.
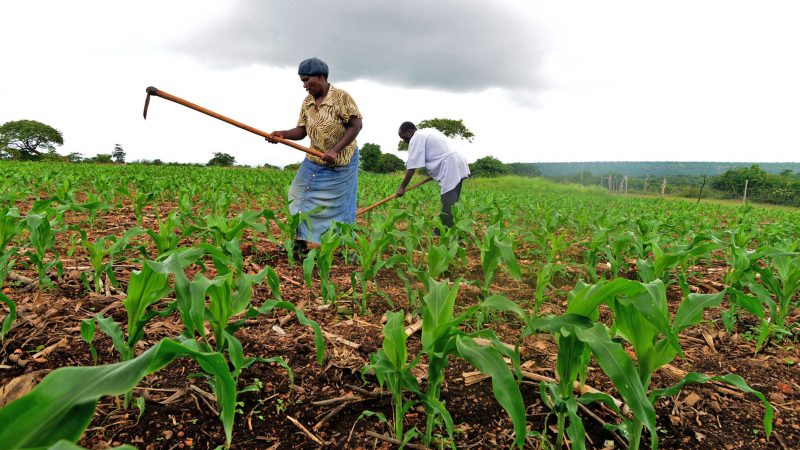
(159, 93)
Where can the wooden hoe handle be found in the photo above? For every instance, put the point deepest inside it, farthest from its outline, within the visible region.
(363, 210)
(159, 93)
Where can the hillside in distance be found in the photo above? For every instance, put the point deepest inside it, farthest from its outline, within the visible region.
(655, 168)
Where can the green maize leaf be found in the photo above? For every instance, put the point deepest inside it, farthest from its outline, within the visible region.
(437, 408)
(438, 260)
(616, 363)
(218, 311)
(585, 300)
(554, 324)
(244, 289)
(732, 379)
(63, 404)
(575, 430)
(12, 314)
(274, 283)
(394, 339)
(570, 360)
(145, 287)
(308, 267)
(505, 388)
(753, 305)
(112, 330)
(502, 303)
(87, 334)
(690, 311)
(235, 353)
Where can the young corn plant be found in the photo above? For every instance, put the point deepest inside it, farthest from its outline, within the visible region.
(544, 275)
(140, 200)
(217, 302)
(42, 238)
(393, 369)
(146, 287)
(91, 207)
(166, 238)
(642, 319)
(442, 337)
(591, 255)
(767, 278)
(369, 250)
(288, 229)
(497, 247)
(579, 337)
(323, 257)
(745, 291)
(11, 224)
(62, 405)
(781, 278)
(102, 254)
(6, 263)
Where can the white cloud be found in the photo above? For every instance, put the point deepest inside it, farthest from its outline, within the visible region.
(617, 80)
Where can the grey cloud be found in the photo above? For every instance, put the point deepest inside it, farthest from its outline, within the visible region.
(449, 44)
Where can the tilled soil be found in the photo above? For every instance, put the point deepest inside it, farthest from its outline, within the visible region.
(328, 399)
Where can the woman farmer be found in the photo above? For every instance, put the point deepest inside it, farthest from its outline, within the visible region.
(331, 119)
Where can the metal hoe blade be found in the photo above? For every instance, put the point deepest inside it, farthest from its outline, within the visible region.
(146, 105)
(150, 91)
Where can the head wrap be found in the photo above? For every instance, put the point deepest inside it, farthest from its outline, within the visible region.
(312, 66)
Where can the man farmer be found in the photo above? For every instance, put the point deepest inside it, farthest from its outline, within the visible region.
(428, 148)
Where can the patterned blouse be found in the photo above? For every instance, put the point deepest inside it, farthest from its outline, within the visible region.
(325, 126)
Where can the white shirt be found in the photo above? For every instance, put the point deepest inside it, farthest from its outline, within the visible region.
(428, 148)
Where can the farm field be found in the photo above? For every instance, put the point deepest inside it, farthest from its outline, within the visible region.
(549, 315)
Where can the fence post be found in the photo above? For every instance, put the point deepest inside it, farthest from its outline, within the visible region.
(744, 198)
(663, 185)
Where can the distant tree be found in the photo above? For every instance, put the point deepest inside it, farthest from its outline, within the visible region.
(221, 159)
(102, 158)
(449, 127)
(118, 154)
(488, 166)
(75, 157)
(157, 162)
(270, 166)
(52, 156)
(390, 163)
(369, 157)
(29, 139)
(733, 180)
(292, 167)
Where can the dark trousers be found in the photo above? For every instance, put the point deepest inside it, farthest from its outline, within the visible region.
(449, 199)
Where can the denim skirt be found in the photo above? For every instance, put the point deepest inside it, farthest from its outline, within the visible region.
(335, 189)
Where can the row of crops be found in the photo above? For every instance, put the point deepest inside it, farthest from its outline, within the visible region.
(187, 231)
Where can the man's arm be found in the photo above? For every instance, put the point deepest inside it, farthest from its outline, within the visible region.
(402, 189)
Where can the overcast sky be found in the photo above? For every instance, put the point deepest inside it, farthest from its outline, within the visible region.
(535, 80)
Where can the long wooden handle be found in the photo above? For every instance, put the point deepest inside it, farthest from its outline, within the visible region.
(393, 196)
(159, 93)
